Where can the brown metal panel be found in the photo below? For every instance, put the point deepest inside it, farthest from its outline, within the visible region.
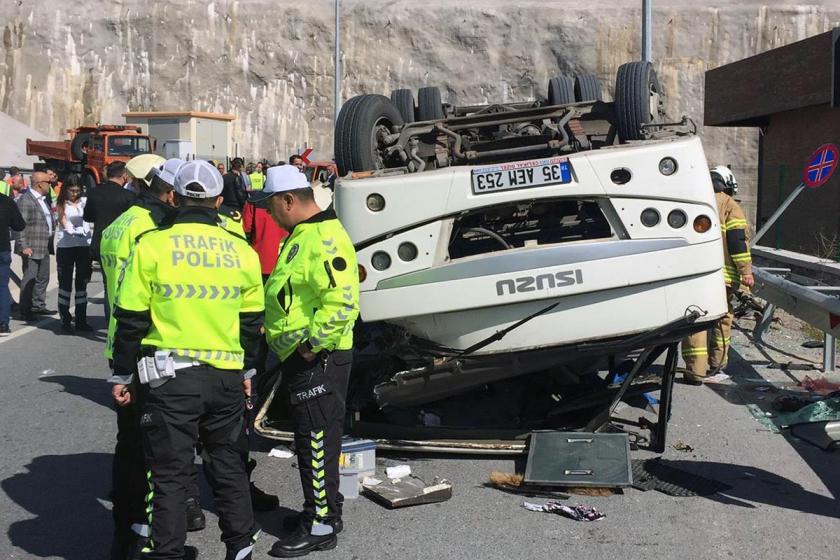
(745, 92)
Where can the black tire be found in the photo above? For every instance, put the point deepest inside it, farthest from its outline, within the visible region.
(429, 104)
(587, 88)
(76, 145)
(637, 89)
(403, 99)
(355, 132)
(561, 90)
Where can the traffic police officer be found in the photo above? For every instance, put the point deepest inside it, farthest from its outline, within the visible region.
(311, 306)
(154, 179)
(189, 313)
(700, 353)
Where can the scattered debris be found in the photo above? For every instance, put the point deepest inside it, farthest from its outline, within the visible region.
(827, 410)
(408, 492)
(790, 403)
(812, 344)
(719, 378)
(47, 372)
(825, 435)
(514, 484)
(397, 472)
(370, 481)
(821, 385)
(680, 445)
(281, 452)
(578, 512)
(659, 475)
(790, 366)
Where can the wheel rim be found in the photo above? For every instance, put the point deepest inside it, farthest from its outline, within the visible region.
(654, 103)
(381, 129)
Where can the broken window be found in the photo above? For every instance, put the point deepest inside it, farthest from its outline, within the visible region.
(527, 224)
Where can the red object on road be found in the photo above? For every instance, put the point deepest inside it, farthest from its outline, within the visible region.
(264, 235)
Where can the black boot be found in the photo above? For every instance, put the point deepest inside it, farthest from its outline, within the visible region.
(66, 319)
(243, 552)
(292, 522)
(81, 319)
(302, 542)
(195, 515)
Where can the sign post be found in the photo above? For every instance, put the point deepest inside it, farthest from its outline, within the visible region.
(821, 166)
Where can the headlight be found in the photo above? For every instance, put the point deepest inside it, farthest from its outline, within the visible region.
(375, 202)
(702, 224)
(668, 166)
(407, 251)
(380, 260)
(650, 217)
(620, 176)
(677, 219)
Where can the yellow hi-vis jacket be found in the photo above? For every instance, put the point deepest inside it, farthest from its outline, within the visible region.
(313, 293)
(117, 242)
(193, 289)
(5, 188)
(737, 261)
(257, 181)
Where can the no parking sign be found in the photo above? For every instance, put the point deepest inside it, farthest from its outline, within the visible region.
(821, 166)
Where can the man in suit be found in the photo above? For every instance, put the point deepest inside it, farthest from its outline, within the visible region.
(35, 245)
(104, 205)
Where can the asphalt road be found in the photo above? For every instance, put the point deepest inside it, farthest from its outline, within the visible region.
(57, 431)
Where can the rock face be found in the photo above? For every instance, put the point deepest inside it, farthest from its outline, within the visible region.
(270, 62)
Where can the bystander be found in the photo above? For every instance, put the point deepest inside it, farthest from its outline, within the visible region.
(10, 218)
(35, 245)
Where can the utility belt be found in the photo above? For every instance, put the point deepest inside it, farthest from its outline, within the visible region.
(158, 368)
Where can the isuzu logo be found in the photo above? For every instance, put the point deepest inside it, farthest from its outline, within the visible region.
(539, 282)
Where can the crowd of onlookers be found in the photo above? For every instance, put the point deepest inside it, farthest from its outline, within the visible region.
(45, 217)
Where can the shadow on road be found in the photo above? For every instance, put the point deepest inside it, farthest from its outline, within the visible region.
(96, 390)
(743, 391)
(751, 484)
(63, 492)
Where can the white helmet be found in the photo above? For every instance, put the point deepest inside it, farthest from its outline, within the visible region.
(725, 175)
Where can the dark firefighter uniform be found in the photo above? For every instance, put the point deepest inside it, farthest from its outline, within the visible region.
(128, 469)
(698, 350)
(312, 300)
(192, 302)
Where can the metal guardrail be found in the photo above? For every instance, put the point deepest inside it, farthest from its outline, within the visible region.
(817, 305)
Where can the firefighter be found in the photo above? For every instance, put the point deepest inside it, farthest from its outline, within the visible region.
(189, 313)
(311, 306)
(699, 352)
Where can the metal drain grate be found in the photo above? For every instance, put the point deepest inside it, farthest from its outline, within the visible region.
(655, 474)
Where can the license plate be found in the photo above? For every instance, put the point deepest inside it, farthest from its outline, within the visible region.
(521, 175)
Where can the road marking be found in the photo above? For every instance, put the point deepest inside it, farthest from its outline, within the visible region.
(39, 324)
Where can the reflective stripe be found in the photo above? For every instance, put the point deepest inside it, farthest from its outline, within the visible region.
(198, 291)
(741, 257)
(204, 355)
(150, 544)
(695, 352)
(319, 483)
(736, 224)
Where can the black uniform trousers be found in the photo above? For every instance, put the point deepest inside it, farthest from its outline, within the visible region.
(318, 391)
(201, 404)
(68, 259)
(128, 474)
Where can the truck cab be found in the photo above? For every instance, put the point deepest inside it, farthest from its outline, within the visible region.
(90, 149)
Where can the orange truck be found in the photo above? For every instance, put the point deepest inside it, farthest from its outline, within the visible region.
(90, 149)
